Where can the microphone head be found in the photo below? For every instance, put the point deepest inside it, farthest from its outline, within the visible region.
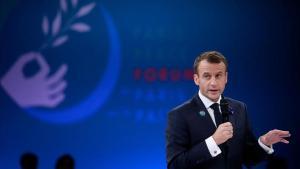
(225, 109)
(224, 104)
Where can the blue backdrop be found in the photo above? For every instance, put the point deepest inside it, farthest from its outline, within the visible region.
(126, 64)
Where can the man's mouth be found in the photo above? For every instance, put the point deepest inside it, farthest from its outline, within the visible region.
(213, 90)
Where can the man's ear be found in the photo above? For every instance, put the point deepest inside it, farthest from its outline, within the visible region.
(196, 79)
(226, 77)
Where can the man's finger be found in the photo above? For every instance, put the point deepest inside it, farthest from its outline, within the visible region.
(280, 131)
(227, 124)
(229, 128)
(226, 128)
(284, 141)
(284, 135)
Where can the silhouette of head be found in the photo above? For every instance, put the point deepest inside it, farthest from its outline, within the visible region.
(29, 161)
(65, 161)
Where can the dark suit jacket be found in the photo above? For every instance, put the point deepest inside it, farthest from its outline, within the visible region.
(187, 130)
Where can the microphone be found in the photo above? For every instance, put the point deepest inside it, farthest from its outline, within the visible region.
(225, 109)
(225, 118)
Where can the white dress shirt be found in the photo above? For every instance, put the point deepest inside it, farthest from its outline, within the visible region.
(212, 146)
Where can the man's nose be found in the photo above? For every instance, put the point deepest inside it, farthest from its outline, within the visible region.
(213, 81)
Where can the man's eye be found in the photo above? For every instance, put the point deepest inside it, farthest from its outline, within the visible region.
(206, 76)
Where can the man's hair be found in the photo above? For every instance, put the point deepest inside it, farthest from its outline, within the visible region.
(210, 57)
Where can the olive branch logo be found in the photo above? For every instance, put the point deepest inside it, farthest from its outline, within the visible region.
(56, 30)
(43, 89)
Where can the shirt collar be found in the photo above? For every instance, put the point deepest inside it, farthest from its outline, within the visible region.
(206, 101)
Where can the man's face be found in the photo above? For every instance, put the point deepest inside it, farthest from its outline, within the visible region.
(211, 78)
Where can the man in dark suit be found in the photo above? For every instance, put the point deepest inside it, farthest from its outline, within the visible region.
(198, 134)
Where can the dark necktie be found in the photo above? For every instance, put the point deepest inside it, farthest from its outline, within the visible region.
(217, 113)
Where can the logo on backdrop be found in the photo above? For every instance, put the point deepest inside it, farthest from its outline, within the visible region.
(44, 91)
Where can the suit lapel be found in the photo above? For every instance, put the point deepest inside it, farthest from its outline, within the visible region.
(206, 120)
(232, 120)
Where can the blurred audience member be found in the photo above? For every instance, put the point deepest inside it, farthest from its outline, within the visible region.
(29, 161)
(65, 161)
